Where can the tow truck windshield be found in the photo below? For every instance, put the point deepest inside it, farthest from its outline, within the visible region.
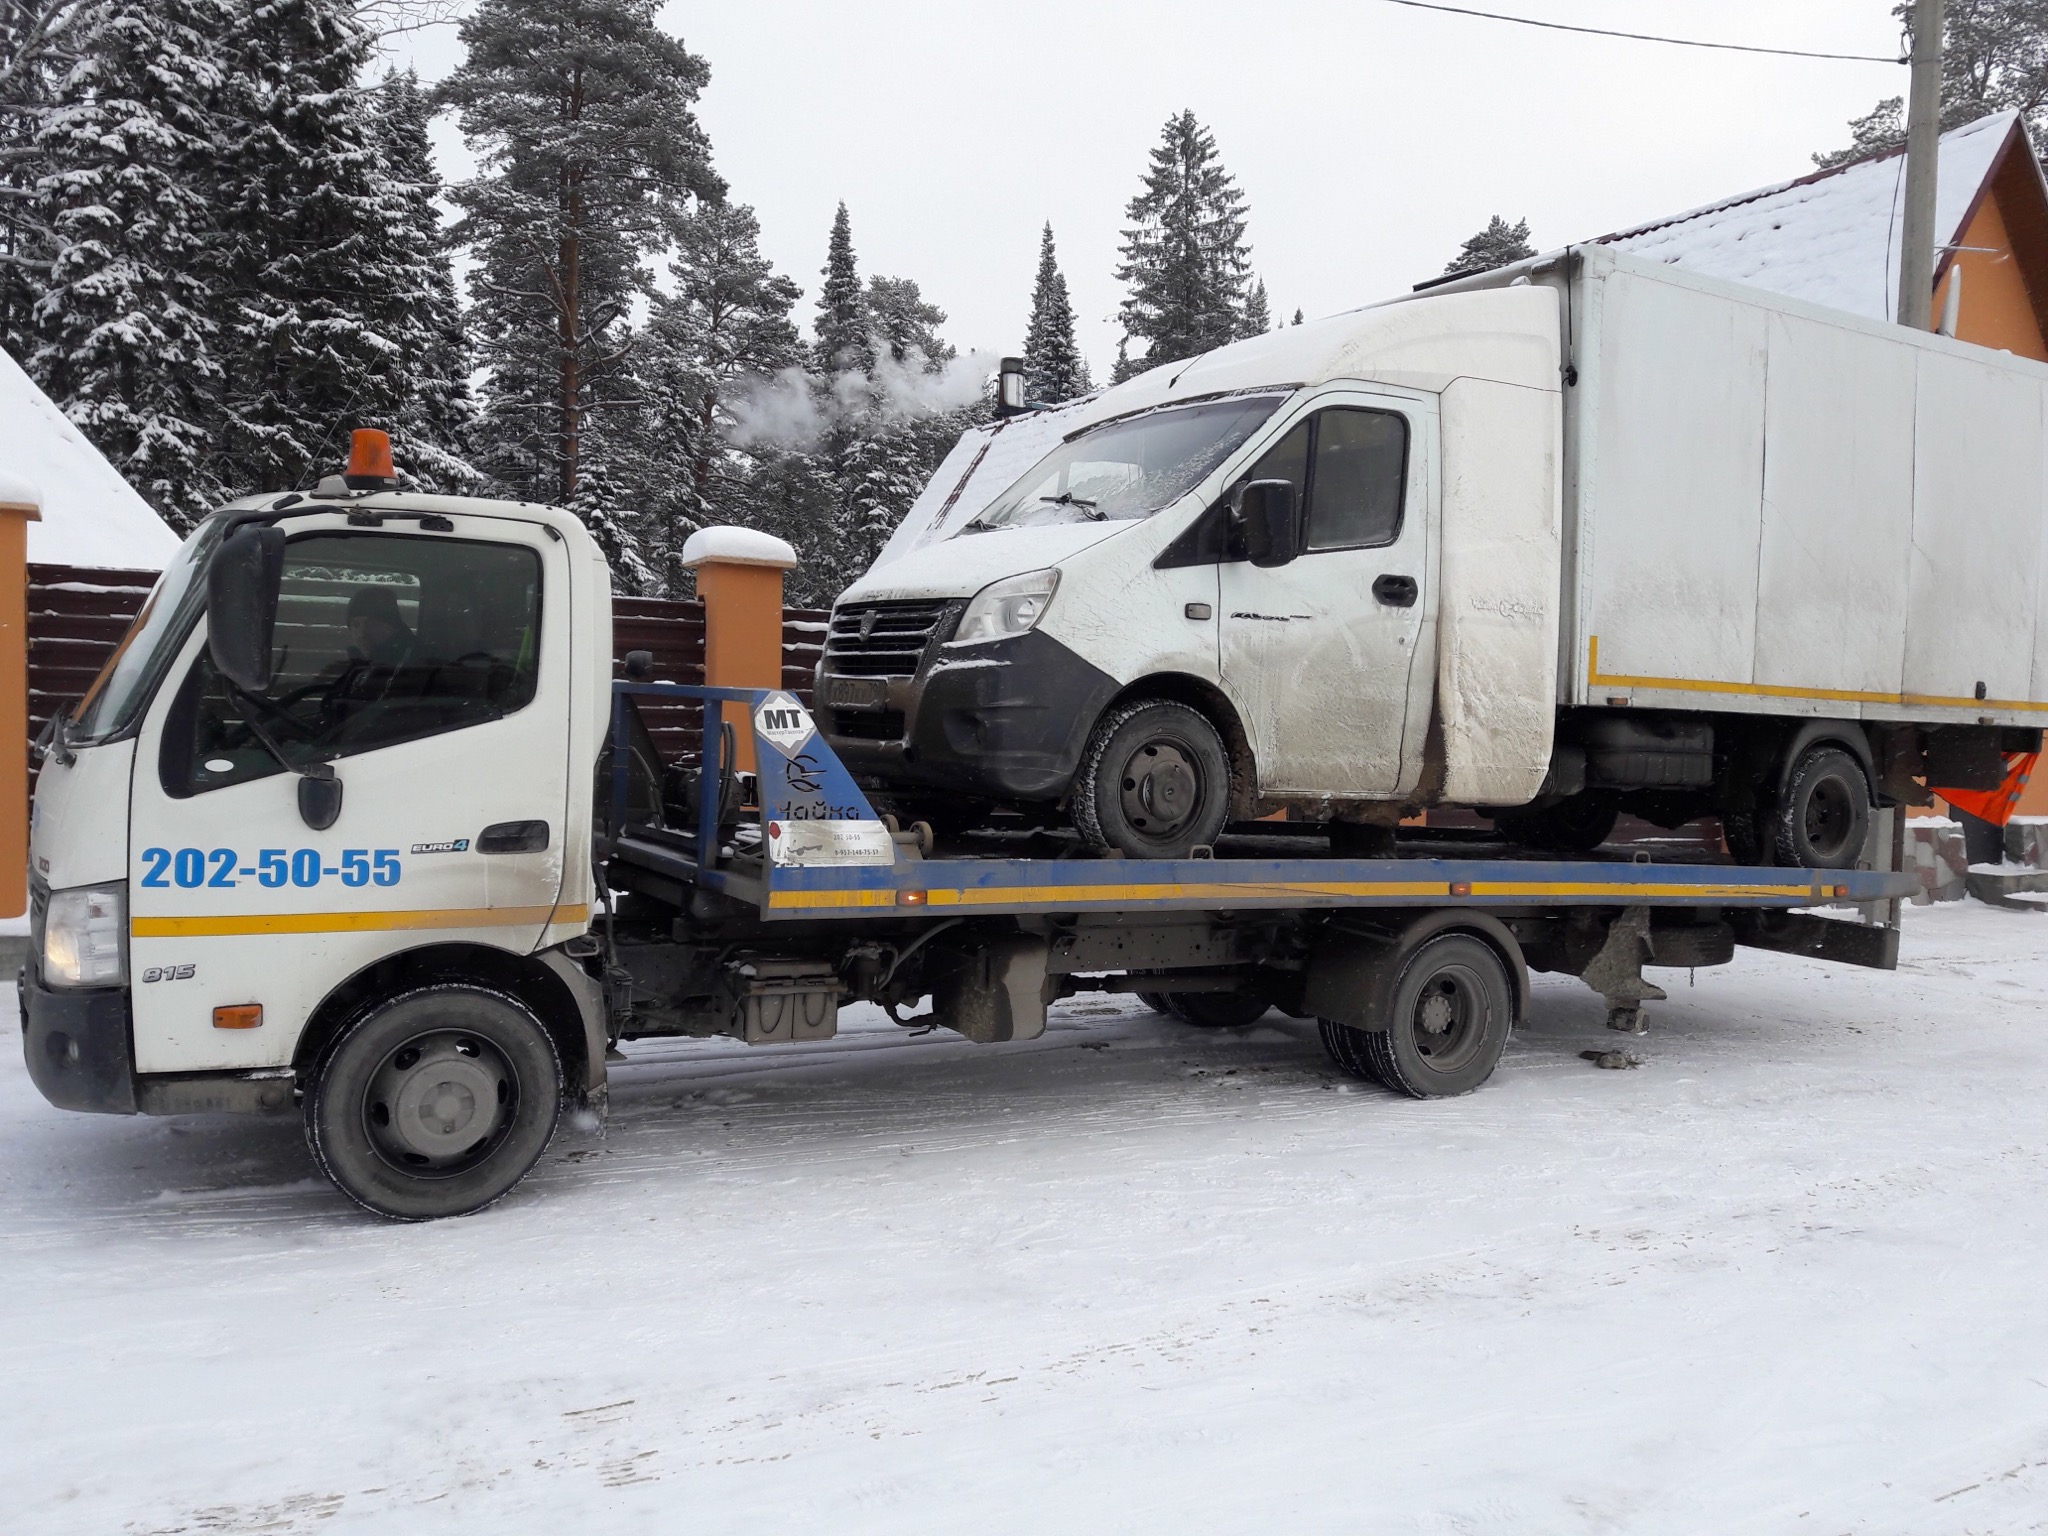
(131, 674)
(1129, 469)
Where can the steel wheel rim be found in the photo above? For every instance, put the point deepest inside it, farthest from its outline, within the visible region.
(440, 1103)
(1829, 818)
(1449, 1018)
(1160, 791)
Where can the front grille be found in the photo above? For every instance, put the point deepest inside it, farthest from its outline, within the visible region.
(893, 644)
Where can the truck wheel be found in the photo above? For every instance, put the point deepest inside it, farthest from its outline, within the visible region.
(1158, 1002)
(1577, 825)
(1452, 1009)
(1154, 782)
(1346, 1047)
(435, 1103)
(1825, 815)
(1218, 1010)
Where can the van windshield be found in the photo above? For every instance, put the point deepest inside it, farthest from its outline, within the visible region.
(1129, 468)
(131, 673)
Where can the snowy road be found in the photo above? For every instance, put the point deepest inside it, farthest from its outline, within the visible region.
(1790, 1276)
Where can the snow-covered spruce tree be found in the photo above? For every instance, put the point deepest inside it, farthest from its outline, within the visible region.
(1297, 316)
(37, 49)
(430, 433)
(726, 320)
(1054, 369)
(328, 282)
(842, 321)
(1500, 244)
(579, 112)
(127, 343)
(1185, 259)
(1994, 59)
(903, 327)
(1258, 311)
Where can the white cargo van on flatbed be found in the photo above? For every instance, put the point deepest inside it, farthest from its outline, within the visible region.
(1584, 535)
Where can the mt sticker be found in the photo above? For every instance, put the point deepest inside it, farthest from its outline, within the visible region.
(783, 723)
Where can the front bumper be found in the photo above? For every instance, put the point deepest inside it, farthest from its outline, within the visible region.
(1005, 720)
(77, 1045)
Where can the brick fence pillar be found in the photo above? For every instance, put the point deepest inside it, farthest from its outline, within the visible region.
(20, 505)
(739, 580)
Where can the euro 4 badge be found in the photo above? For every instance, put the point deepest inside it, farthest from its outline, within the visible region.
(783, 723)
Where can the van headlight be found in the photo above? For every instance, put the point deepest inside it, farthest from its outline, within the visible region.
(1007, 607)
(85, 937)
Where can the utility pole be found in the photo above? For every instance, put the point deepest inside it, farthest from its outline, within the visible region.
(1923, 150)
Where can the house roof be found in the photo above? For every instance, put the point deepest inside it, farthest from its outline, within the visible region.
(1833, 237)
(90, 515)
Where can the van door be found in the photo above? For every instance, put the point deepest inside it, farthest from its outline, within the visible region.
(1319, 654)
(431, 672)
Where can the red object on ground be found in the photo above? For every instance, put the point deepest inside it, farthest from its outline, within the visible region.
(1995, 805)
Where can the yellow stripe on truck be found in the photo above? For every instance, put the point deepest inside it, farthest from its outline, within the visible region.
(1070, 895)
(423, 919)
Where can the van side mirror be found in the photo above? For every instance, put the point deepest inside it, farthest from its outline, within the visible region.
(1262, 515)
(242, 585)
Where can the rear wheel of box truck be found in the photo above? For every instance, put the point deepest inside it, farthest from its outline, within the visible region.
(1823, 817)
(434, 1103)
(1445, 1026)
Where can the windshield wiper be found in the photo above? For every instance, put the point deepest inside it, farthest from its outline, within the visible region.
(1069, 499)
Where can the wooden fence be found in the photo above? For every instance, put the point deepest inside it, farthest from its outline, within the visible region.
(77, 615)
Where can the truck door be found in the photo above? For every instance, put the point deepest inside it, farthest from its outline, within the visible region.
(431, 672)
(1319, 653)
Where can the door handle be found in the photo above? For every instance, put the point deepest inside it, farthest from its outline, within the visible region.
(513, 837)
(1396, 591)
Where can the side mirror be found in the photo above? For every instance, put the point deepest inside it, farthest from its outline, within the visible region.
(242, 585)
(1263, 517)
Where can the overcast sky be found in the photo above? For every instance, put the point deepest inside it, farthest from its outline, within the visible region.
(1369, 139)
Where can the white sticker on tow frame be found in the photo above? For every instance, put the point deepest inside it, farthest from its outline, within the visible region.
(802, 843)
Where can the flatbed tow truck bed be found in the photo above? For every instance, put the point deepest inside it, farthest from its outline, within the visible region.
(1414, 965)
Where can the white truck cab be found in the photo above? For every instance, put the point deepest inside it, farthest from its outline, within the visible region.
(390, 799)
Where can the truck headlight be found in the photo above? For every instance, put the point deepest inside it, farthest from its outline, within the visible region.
(85, 937)
(1007, 607)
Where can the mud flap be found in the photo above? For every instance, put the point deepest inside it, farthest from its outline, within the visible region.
(997, 993)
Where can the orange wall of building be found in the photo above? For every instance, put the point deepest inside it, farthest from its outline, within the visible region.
(1996, 310)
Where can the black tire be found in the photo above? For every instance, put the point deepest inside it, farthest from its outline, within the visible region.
(435, 1103)
(1577, 825)
(1158, 1002)
(1452, 1009)
(1218, 1010)
(1154, 782)
(1346, 1047)
(1823, 818)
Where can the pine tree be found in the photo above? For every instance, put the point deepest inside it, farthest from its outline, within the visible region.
(902, 325)
(579, 112)
(842, 323)
(1500, 244)
(1297, 315)
(1994, 59)
(127, 339)
(726, 320)
(1054, 369)
(1258, 313)
(423, 318)
(1185, 258)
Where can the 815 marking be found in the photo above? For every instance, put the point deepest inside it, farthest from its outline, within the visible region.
(188, 867)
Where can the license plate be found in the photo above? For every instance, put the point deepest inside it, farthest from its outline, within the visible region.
(856, 692)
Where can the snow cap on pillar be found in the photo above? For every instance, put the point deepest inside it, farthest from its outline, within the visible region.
(21, 496)
(737, 546)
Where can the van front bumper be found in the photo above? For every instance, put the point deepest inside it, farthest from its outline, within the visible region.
(1006, 720)
(77, 1046)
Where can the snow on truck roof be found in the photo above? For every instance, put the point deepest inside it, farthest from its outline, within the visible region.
(1832, 237)
(1508, 335)
(90, 515)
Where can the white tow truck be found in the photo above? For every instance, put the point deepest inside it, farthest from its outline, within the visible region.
(357, 825)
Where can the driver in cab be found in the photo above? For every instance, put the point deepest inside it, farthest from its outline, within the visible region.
(380, 646)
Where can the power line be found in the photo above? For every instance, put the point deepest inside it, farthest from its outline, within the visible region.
(1644, 37)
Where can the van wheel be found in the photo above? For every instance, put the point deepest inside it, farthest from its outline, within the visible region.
(1154, 782)
(435, 1103)
(1824, 817)
(1446, 1028)
(1577, 825)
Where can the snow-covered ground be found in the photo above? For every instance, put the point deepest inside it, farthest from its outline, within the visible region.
(1790, 1276)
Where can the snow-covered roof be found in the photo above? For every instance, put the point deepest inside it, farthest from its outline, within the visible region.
(737, 546)
(91, 516)
(1832, 237)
